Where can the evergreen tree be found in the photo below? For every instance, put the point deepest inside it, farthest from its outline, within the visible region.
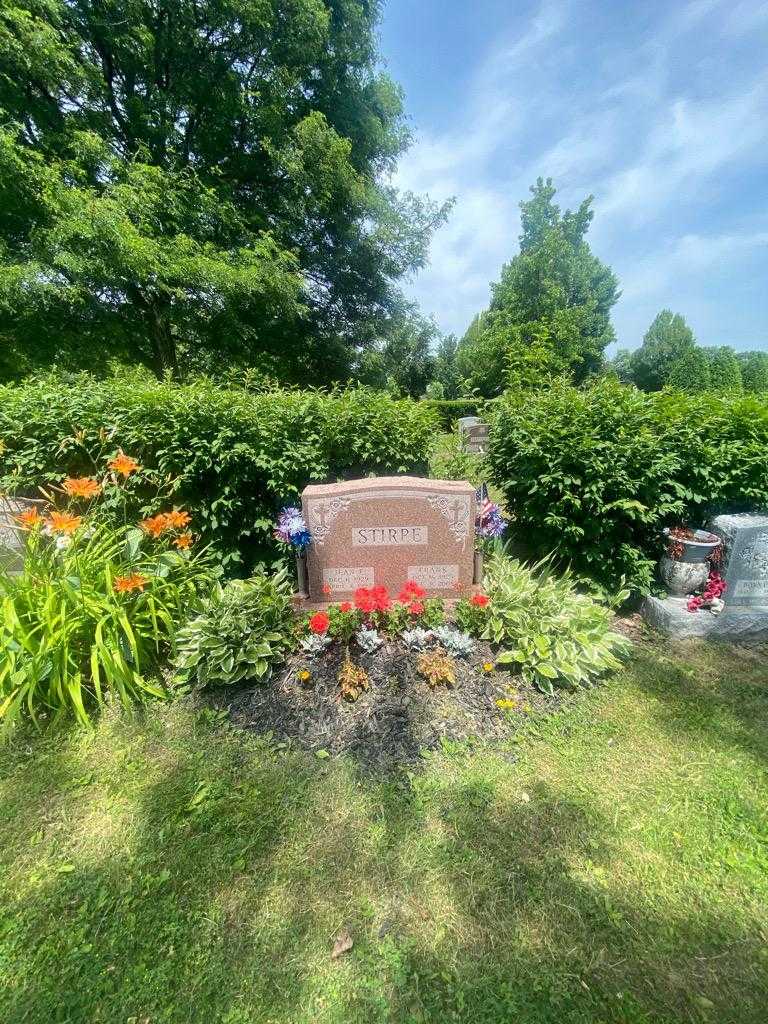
(691, 372)
(725, 370)
(555, 296)
(754, 371)
(666, 341)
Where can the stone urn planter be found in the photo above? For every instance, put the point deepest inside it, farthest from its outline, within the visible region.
(685, 565)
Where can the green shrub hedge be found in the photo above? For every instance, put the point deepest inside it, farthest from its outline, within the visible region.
(594, 474)
(234, 457)
(450, 410)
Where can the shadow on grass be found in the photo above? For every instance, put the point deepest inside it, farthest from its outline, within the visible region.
(709, 692)
(218, 895)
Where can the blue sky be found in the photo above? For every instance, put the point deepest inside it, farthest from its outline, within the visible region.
(659, 109)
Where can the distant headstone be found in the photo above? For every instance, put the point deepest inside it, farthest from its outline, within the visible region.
(388, 530)
(745, 559)
(11, 535)
(745, 570)
(475, 434)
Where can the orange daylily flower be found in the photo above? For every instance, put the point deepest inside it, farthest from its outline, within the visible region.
(81, 487)
(177, 519)
(183, 541)
(28, 518)
(154, 526)
(63, 522)
(124, 464)
(125, 584)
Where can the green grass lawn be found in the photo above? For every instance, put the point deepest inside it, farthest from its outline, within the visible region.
(611, 865)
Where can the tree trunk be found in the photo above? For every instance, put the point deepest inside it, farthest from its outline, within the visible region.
(163, 342)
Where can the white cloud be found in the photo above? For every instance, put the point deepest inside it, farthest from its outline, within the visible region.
(614, 117)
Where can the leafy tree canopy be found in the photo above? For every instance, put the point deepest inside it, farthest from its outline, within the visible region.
(402, 360)
(199, 181)
(554, 298)
(666, 341)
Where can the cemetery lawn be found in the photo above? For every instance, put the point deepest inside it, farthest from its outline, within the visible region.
(611, 866)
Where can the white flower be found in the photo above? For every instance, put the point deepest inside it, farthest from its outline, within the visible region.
(62, 543)
(454, 640)
(315, 644)
(416, 638)
(368, 639)
(716, 605)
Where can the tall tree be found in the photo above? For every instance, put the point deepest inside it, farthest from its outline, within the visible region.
(620, 366)
(402, 358)
(691, 372)
(446, 369)
(666, 341)
(200, 180)
(724, 370)
(754, 371)
(554, 297)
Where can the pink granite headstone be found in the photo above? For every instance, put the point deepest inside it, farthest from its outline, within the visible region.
(387, 530)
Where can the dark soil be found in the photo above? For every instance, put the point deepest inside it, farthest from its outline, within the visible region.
(394, 722)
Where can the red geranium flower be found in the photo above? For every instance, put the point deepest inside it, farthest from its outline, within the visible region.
(480, 600)
(345, 606)
(416, 608)
(412, 591)
(364, 601)
(319, 623)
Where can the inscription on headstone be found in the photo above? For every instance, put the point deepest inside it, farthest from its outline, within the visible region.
(745, 562)
(387, 530)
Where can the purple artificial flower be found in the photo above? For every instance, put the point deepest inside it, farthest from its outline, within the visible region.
(291, 528)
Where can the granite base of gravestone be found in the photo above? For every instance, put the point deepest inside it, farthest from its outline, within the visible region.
(744, 568)
(384, 531)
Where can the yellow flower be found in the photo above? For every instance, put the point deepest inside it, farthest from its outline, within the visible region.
(304, 676)
(488, 666)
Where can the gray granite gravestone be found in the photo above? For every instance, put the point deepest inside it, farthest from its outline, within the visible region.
(745, 562)
(745, 570)
(475, 434)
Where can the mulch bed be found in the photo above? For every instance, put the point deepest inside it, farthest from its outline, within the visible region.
(394, 722)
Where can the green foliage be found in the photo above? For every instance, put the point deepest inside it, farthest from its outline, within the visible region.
(69, 639)
(446, 369)
(724, 370)
(754, 371)
(231, 457)
(667, 339)
(555, 635)
(193, 183)
(450, 460)
(691, 373)
(593, 474)
(242, 632)
(550, 312)
(451, 410)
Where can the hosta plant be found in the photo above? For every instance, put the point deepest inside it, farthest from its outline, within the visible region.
(552, 633)
(244, 630)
